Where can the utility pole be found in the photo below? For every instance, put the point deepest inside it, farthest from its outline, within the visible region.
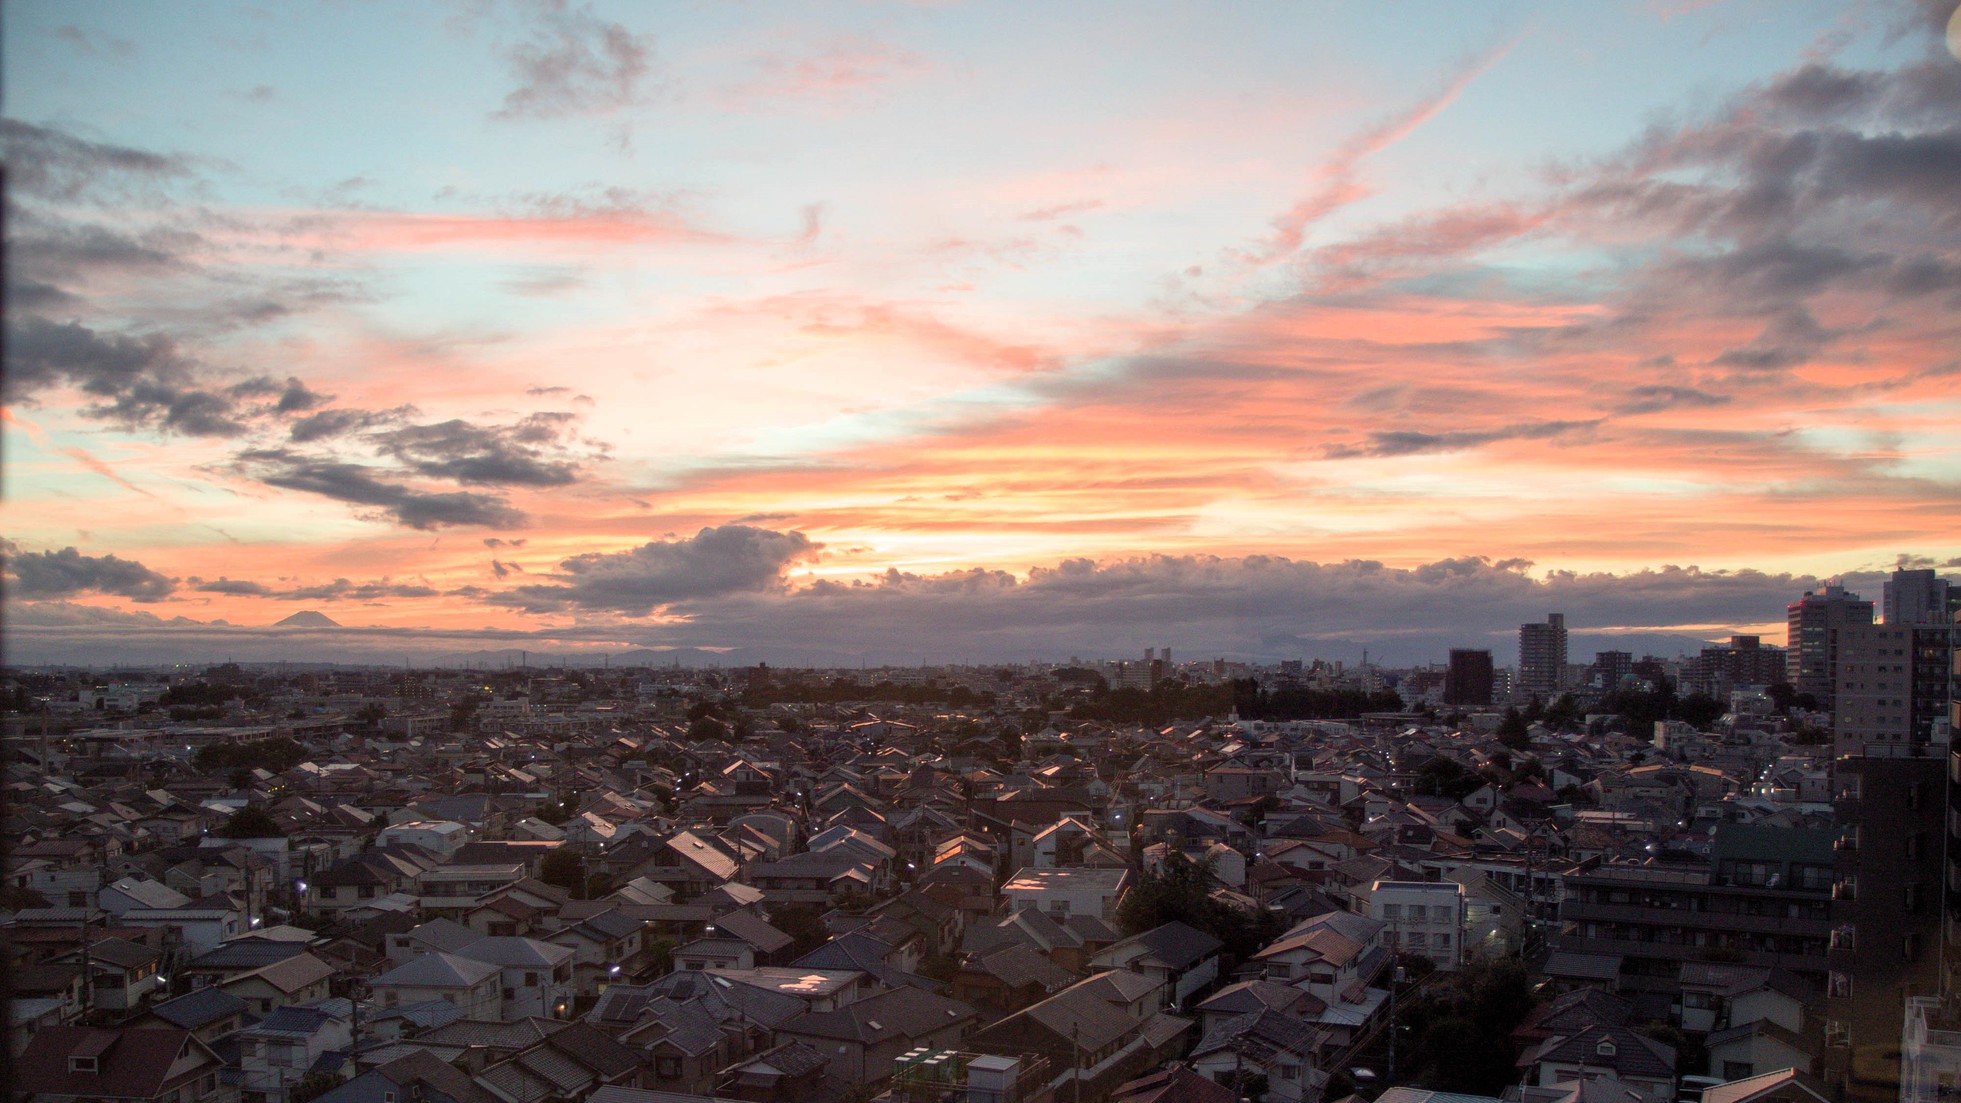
(1395, 933)
(1076, 1038)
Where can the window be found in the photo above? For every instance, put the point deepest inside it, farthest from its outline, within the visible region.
(1841, 985)
(1392, 911)
(1738, 1070)
(667, 1068)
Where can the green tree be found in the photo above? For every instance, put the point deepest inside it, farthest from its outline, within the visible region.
(1512, 730)
(251, 822)
(463, 712)
(1180, 890)
(1460, 1027)
(312, 1086)
(1446, 777)
(563, 867)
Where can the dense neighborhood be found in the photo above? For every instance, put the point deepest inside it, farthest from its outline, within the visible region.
(649, 885)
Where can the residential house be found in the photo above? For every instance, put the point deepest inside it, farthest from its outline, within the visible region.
(474, 986)
(86, 1064)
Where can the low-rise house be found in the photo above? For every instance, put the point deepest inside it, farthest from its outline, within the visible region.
(536, 977)
(122, 974)
(415, 1075)
(84, 1064)
(208, 1013)
(473, 986)
(299, 979)
(1181, 958)
(290, 1044)
(1636, 1061)
(1061, 893)
(1095, 1031)
(1263, 1043)
(862, 1038)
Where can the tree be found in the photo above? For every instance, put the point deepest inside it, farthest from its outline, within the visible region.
(1460, 1027)
(312, 1086)
(704, 728)
(251, 822)
(1445, 777)
(563, 867)
(1181, 890)
(1512, 730)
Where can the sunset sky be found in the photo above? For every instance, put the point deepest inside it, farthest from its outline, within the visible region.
(908, 331)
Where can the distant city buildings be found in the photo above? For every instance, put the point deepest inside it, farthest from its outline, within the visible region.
(1813, 624)
(1542, 657)
(1468, 682)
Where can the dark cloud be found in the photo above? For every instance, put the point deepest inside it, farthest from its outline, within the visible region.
(1250, 606)
(359, 484)
(1406, 442)
(142, 381)
(49, 164)
(340, 589)
(1649, 399)
(574, 63)
(713, 562)
(298, 398)
(230, 586)
(527, 453)
(64, 573)
(1260, 607)
(328, 424)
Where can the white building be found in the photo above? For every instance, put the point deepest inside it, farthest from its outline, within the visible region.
(1061, 893)
(442, 838)
(1425, 918)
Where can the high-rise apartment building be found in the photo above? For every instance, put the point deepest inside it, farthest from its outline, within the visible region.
(1542, 657)
(1813, 623)
(1919, 597)
(1744, 661)
(1886, 912)
(1611, 668)
(1468, 682)
(1897, 880)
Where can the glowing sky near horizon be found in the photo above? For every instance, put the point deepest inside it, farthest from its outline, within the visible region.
(649, 323)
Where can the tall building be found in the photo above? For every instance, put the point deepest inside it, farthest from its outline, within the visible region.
(1897, 888)
(1887, 902)
(1744, 661)
(1611, 668)
(1813, 623)
(1468, 682)
(1919, 597)
(1542, 656)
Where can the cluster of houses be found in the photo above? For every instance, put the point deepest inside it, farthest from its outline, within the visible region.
(838, 901)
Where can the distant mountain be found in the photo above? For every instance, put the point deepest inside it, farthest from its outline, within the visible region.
(307, 618)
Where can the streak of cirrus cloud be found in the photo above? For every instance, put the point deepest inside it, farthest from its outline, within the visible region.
(920, 328)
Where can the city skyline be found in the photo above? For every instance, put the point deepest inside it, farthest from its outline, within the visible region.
(934, 332)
